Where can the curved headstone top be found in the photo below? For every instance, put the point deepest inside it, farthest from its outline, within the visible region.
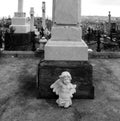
(67, 12)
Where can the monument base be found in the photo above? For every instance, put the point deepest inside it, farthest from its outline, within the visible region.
(20, 42)
(66, 50)
(81, 71)
(21, 28)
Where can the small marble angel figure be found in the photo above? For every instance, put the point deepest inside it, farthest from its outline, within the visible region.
(64, 89)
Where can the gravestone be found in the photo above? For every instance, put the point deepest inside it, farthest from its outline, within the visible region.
(66, 51)
(20, 23)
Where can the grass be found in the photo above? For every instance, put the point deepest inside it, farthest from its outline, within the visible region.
(18, 100)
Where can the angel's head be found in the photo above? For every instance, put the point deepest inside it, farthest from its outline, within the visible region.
(65, 77)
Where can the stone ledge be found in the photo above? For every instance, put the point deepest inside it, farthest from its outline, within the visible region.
(21, 54)
(92, 55)
(17, 54)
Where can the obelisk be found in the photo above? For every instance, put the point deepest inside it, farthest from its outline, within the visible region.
(20, 6)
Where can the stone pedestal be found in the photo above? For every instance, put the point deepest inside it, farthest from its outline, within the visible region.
(19, 21)
(49, 71)
(66, 50)
(32, 27)
(20, 42)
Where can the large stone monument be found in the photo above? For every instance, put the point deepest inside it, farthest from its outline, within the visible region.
(66, 51)
(19, 21)
(21, 24)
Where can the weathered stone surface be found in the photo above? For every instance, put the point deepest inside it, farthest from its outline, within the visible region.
(48, 72)
(19, 29)
(19, 21)
(20, 6)
(66, 11)
(20, 42)
(66, 33)
(66, 50)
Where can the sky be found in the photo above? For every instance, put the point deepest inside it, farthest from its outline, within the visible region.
(88, 7)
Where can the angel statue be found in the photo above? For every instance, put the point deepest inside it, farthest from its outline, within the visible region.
(64, 89)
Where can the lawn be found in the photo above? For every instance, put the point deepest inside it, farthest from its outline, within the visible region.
(18, 100)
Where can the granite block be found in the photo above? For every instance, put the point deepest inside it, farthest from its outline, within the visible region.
(66, 50)
(81, 71)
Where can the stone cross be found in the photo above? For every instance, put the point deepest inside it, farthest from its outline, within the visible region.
(109, 22)
(20, 6)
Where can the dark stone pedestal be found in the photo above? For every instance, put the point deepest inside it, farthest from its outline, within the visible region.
(81, 71)
(19, 41)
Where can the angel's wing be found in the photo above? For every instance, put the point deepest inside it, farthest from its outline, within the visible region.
(72, 90)
(56, 86)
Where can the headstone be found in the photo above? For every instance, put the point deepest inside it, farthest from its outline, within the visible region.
(20, 6)
(21, 24)
(66, 42)
(19, 21)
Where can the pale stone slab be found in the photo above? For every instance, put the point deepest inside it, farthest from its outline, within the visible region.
(21, 28)
(66, 33)
(19, 14)
(19, 21)
(66, 11)
(66, 50)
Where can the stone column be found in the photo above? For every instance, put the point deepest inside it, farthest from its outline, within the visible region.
(32, 19)
(43, 15)
(109, 22)
(20, 6)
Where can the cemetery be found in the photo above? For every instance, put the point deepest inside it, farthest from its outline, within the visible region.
(57, 71)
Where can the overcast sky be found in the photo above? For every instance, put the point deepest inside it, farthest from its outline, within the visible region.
(89, 7)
